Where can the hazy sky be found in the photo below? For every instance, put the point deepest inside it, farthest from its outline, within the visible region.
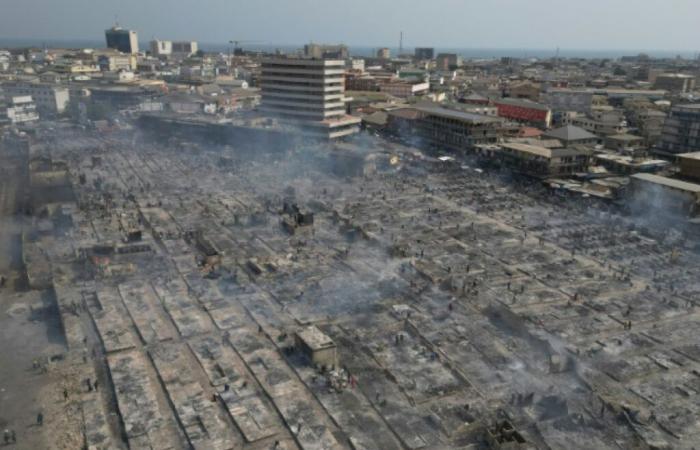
(579, 24)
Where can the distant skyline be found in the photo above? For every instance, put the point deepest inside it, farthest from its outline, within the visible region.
(669, 25)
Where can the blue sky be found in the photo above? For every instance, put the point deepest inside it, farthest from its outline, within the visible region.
(581, 24)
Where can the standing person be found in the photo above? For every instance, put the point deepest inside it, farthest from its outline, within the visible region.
(40, 419)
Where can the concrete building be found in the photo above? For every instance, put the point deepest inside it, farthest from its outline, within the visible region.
(126, 41)
(677, 83)
(681, 132)
(649, 124)
(384, 53)
(115, 62)
(689, 164)
(571, 135)
(185, 48)
(19, 110)
(602, 123)
(49, 99)
(457, 131)
(524, 111)
(404, 89)
(563, 100)
(319, 51)
(423, 53)
(317, 347)
(161, 48)
(624, 143)
(309, 93)
(541, 161)
(664, 195)
(447, 61)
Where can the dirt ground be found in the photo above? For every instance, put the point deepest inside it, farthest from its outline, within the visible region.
(31, 345)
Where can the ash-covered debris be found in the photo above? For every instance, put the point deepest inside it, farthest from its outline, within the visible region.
(359, 296)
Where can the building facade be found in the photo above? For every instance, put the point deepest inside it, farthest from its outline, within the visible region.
(161, 48)
(126, 41)
(309, 93)
(19, 110)
(384, 53)
(49, 99)
(524, 111)
(681, 132)
(456, 131)
(422, 53)
(677, 83)
(447, 61)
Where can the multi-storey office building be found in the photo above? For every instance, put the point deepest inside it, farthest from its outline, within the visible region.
(309, 93)
(126, 41)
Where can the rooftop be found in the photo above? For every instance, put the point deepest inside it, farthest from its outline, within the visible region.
(668, 182)
(570, 133)
(457, 115)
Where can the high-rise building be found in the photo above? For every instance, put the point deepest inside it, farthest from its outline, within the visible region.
(126, 41)
(185, 48)
(681, 133)
(384, 53)
(177, 48)
(447, 61)
(319, 51)
(422, 53)
(309, 93)
(161, 48)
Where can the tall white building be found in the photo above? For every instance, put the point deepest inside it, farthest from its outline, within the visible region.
(176, 48)
(161, 48)
(309, 93)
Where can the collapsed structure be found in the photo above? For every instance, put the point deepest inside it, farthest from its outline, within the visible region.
(226, 298)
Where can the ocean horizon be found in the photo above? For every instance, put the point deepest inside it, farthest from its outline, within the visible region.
(369, 51)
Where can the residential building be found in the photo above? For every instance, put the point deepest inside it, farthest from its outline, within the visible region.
(649, 124)
(602, 123)
(624, 143)
(524, 111)
(457, 131)
(525, 89)
(126, 41)
(75, 67)
(423, 53)
(115, 62)
(50, 99)
(21, 109)
(681, 132)
(564, 100)
(404, 88)
(544, 162)
(571, 135)
(309, 93)
(677, 83)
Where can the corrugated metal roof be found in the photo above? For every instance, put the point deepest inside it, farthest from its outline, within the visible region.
(668, 182)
